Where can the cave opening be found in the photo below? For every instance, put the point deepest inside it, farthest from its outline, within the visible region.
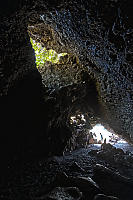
(58, 74)
(101, 134)
(89, 135)
(52, 112)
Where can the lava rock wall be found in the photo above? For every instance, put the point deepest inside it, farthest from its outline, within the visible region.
(99, 33)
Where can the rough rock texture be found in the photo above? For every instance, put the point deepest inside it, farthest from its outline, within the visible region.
(69, 193)
(63, 103)
(67, 72)
(42, 178)
(98, 33)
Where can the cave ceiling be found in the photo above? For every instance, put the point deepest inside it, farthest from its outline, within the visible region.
(99, 34)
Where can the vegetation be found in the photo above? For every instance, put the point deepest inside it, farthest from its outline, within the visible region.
(43, 55)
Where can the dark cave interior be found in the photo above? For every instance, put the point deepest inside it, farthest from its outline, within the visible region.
(49, 146)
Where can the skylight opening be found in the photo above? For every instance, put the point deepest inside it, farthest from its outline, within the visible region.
(42, 54)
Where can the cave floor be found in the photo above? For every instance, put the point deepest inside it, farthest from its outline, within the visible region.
(34, 179)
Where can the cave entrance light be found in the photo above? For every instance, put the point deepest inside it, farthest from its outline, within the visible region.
(99, 134)
(75, 119)
(85, 136)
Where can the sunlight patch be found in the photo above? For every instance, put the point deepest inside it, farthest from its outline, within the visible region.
(100, 134)
(43, 55)
(75, 119)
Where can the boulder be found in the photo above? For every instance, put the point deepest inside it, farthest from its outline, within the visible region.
(113, 183)
(104, 197)
(60, 193)
(85, 184)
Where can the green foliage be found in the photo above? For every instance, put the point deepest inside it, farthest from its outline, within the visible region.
(43, 55)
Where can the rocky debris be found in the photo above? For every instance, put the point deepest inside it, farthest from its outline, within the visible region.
(105, 183)
(75, 167)
(37, 180)
(104, 197)
(117, 158)
(60, 193)
(93, 152)
(61, 179)
(85, 184)
(102, 170)
(114, 156)
(113, 183)
(107, 147)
